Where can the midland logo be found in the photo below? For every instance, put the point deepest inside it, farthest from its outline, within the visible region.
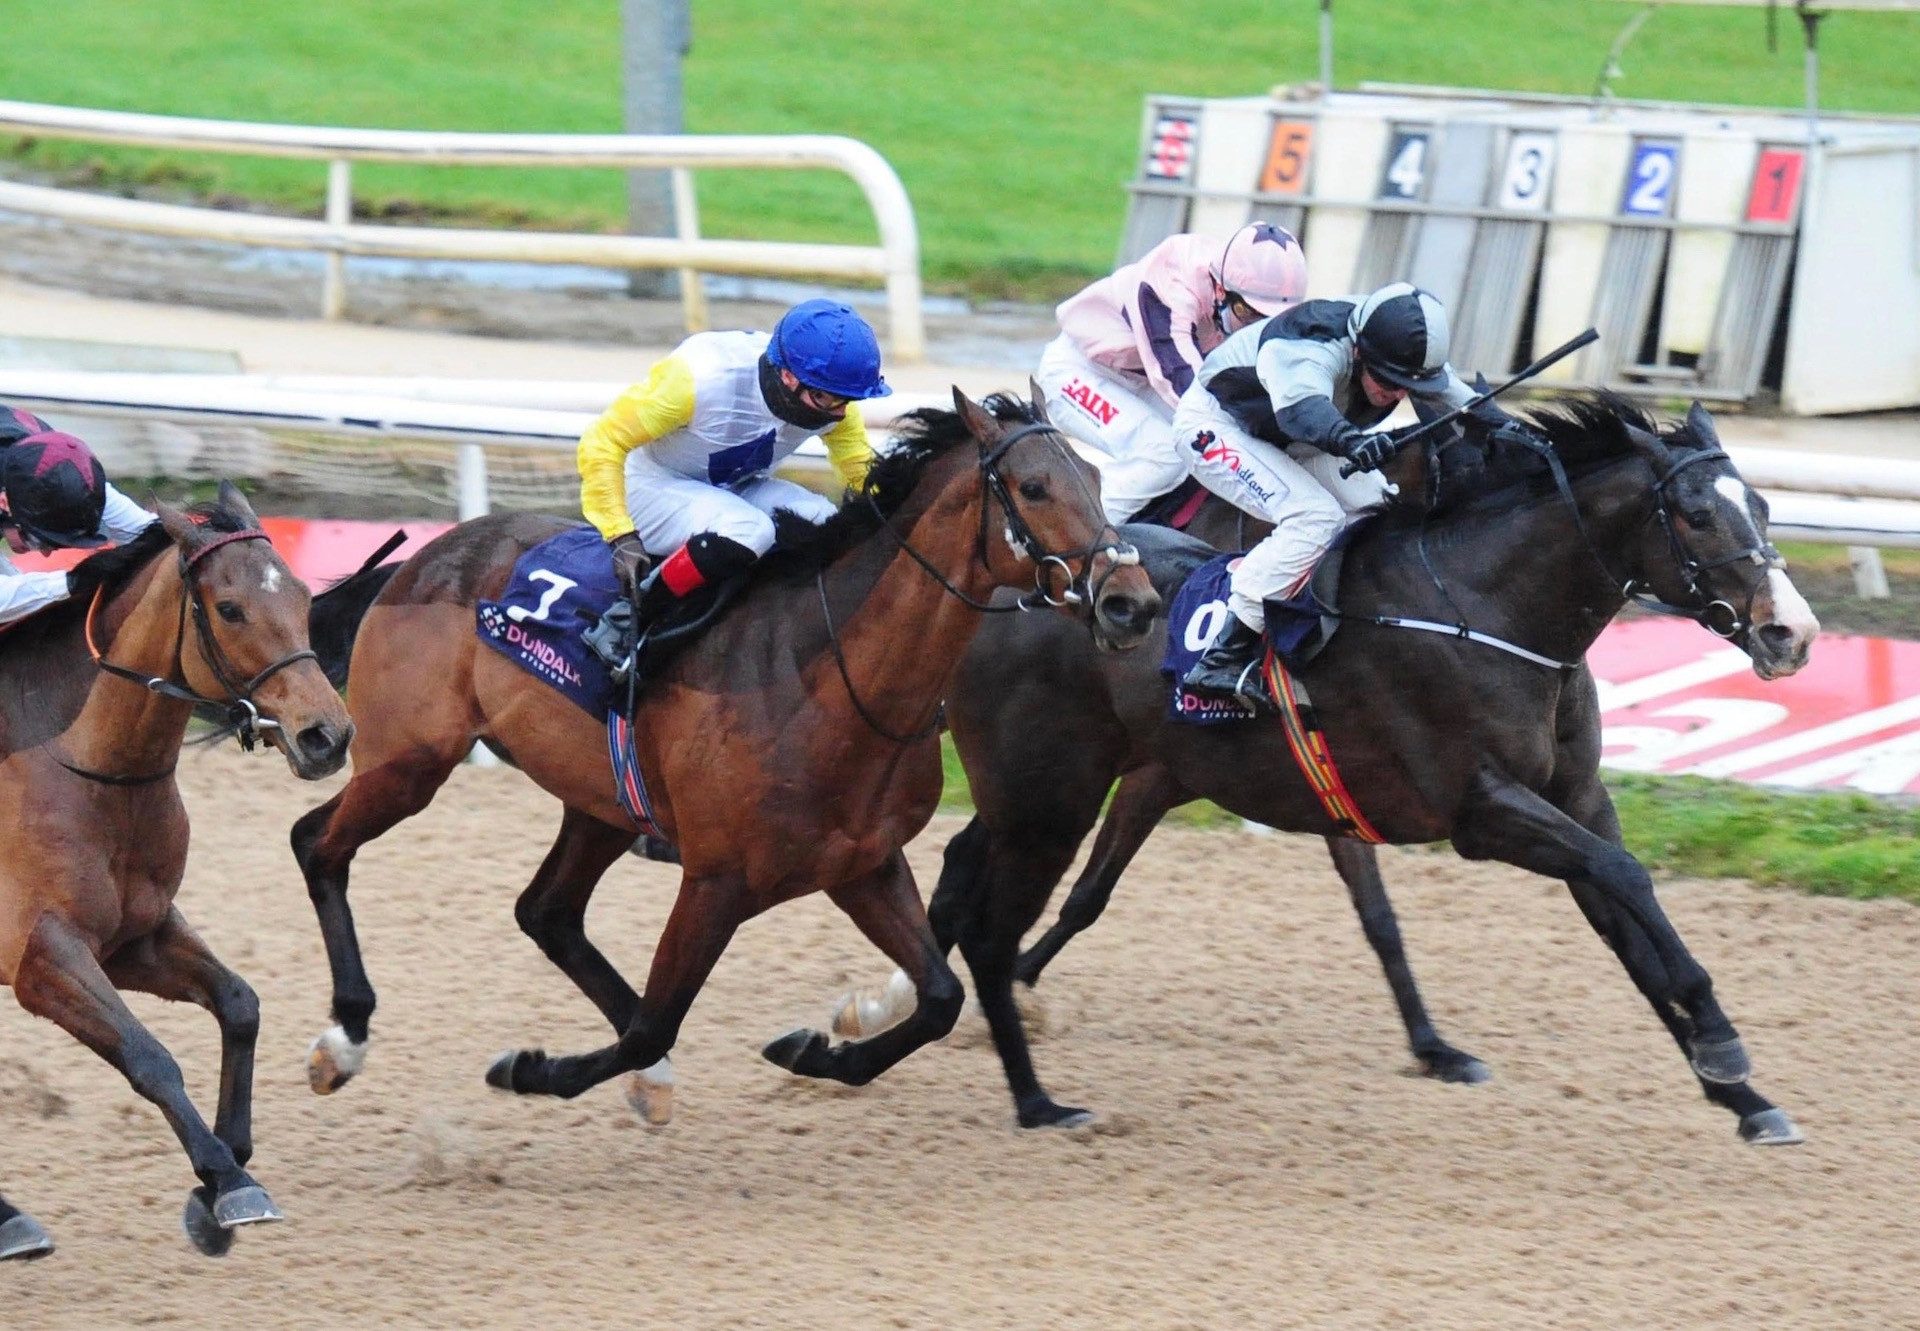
(1208, 445)
(1083, 396)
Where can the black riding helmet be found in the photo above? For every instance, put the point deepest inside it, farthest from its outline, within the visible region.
(56, 489)
(1401, 334)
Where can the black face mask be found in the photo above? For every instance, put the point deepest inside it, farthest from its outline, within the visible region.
(786, 404)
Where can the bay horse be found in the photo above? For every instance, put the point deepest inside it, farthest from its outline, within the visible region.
(790, 749)
(95, 694)
(1439, 736)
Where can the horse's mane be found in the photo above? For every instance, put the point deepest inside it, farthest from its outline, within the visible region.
(801, 548)
(1587, 432)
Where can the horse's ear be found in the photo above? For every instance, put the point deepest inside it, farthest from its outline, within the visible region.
(1700, 425)
(1649, 446)
(236, 505)
(186, 533)
(979, 423)
(1039, 402)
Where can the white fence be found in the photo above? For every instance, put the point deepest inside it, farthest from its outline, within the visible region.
(895, 260)
(1862, 502)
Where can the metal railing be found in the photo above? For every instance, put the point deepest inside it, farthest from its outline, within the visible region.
(895, 260)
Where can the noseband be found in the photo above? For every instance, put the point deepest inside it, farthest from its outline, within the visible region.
(1081, 588)
(243, 716)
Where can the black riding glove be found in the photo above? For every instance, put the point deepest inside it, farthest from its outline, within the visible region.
(1370, 452)
(630, 560)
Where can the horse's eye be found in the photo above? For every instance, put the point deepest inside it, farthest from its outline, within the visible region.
(1035, 490)
(1700, 518)
(231, 612)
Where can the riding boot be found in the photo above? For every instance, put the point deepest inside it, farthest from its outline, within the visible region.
(1230, 667)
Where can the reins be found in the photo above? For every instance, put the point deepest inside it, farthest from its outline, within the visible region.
(243, 717)
(1081, 588)
(1635, 590)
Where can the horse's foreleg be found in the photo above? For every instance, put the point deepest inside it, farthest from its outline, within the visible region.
(325, 841)
(1761, 1122)
(59, 979)
(1506, 821)
(175, 964)
(1359, 867)
(702, 922)
(886, 907)
(1141, 801)
(553, 911)
(21, 1237)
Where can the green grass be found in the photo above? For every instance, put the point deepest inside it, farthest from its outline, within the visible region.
(1830, 845)
(1013, 125)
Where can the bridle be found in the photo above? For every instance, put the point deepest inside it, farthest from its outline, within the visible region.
(242, 715)
(1081, 588)
(1719, 617)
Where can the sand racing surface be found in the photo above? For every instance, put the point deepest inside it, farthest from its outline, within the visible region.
(1263, 1159)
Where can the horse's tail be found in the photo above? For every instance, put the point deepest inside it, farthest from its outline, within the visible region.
(334, 621)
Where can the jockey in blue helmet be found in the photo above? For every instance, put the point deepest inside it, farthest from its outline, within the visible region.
(679, 469)
(57, 497)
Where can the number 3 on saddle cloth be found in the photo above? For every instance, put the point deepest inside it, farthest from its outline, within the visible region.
(1298, 628)
(559, 590)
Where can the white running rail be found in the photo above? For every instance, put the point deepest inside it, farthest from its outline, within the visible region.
(895, 260)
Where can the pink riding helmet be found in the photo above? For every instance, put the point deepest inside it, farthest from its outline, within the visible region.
(1263, 265)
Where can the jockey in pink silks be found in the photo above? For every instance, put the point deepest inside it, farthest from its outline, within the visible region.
(1132, 343)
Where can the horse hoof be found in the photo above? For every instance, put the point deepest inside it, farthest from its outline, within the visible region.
(1456, 1068)
(22, 1239)
(204, 1232)
(333, 1060)
(245, 1206)
(501, 1073)
(1051, 1115)
(650, 1093)
(1724, 1063)
(797, 1051)
(1770, 1127)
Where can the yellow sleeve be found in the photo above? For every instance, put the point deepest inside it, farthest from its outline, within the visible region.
(645, 412)
(847, 447)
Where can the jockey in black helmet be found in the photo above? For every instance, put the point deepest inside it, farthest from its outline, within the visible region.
(57, 497)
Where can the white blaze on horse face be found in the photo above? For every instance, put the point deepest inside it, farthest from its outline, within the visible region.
(1735, 492)
(270, 579)
(1790, 609)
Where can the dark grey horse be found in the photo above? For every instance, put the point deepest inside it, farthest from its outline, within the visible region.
(1439, 738)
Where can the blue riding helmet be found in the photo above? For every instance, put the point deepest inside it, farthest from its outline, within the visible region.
(828, 347)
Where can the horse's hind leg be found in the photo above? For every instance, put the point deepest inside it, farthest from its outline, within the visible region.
(553, 911)
(886, 907)
(175, 964)
(1143, 798)
(21, 1237)
(59, 979)
(1359, 868)
(383, 792)
(1761, 1122)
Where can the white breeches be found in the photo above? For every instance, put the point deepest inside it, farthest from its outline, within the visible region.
(669, 509)
(1299, 490)
(1128, 423)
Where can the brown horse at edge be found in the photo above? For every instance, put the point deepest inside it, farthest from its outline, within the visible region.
(98, 834)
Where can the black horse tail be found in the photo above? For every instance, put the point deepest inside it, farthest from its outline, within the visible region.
(957, 902)
(334, 621)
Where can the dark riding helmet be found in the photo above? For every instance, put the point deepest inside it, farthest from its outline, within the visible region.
(1401, 334)
(56, 489)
